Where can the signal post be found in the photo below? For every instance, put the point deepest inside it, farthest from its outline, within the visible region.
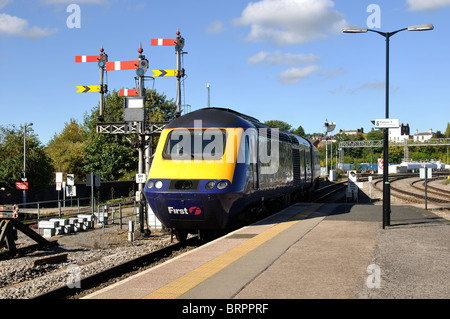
(136, 121)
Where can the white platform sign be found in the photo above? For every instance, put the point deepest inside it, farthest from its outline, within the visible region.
(387, 123)
(141, 178)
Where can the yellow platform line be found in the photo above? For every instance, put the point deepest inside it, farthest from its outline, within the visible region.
(188, 281)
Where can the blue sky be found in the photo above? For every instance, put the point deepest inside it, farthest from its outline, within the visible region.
(272, 59)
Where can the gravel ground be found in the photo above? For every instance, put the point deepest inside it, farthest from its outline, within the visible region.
(88, 252)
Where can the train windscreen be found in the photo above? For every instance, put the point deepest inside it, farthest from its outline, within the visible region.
(197, 144)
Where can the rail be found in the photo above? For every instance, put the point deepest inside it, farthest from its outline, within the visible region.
(91, 282)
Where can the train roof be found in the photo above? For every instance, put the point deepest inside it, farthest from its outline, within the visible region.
(224, 117)
(213, 117)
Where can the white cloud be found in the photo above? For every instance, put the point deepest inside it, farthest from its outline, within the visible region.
(279, 57)
(257, 58)
(287, 22)
(427, 5)
(3, 3)
(294, 75)
(215, 27)
(15, 26)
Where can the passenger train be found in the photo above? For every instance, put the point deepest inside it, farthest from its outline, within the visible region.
(215, 169)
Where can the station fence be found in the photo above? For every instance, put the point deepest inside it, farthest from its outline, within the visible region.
(33, 212)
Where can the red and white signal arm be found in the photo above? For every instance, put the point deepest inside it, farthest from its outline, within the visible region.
(160, 42)
(122, 65)
(86, 58)
(128, 92)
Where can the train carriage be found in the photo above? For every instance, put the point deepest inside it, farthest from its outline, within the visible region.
(214, 168)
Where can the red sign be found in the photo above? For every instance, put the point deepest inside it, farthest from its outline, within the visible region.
(21, 185)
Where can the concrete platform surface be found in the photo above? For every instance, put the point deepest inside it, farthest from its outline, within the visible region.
(309, 251)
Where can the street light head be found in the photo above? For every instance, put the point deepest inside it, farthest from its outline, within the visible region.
(421, 27)
(28, 124)
(354, 30)
(331, 127)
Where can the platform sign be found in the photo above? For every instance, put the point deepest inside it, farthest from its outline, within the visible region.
(386, 123)
(141, 178)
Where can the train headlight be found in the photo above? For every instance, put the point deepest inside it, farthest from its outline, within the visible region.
(222, 184)
(210, 185)
(150, 184)
(158, 184)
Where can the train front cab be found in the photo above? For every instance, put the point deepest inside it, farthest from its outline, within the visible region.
(196, 178)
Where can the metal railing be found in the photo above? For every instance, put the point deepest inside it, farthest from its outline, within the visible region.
(33, 212)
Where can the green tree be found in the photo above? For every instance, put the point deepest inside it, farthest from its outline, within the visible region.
(299, 131)
(447, 131)
(66, 150)
(355, 153)
(111, 156)
(375, 135)
(39, 169)
(283, 126)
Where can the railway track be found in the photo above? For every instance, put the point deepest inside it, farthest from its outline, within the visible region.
(89, 284)
(110, 274)
(416, 197)
(325, 193)
(119, 272)
(441, 193)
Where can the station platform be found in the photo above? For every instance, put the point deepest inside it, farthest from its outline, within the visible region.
(308, 251)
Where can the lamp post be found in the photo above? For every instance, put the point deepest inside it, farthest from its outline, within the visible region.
(386, 185)
(24, 179)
